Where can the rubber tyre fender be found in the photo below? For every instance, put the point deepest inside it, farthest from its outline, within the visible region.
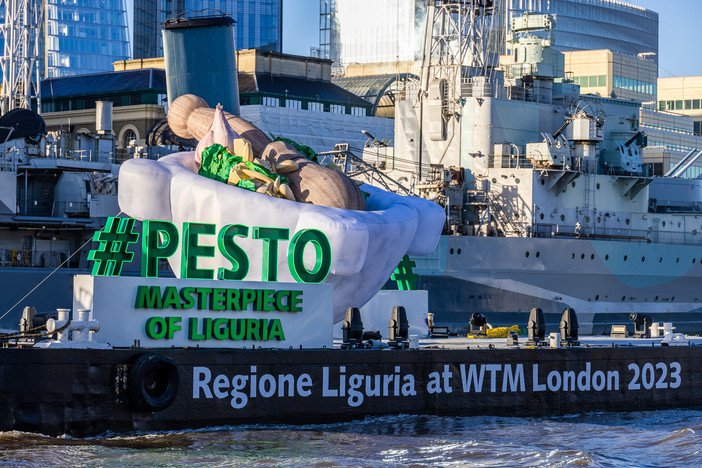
(152, 382)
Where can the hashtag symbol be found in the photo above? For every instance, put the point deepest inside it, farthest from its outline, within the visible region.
(112, 251)
(405, 277)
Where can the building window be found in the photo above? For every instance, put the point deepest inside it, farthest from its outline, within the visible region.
(688, 104)
(661, 105)
(271, 101)
(358, 111)
(337, 109)
(695, 103)
(315, 106)
(602, 80)
(293, 104)
(678, 105)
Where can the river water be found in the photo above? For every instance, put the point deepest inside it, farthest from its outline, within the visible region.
(651, 438)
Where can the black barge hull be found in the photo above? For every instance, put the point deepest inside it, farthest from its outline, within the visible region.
(86, 392)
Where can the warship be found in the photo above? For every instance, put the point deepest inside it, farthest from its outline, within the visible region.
(548, 202)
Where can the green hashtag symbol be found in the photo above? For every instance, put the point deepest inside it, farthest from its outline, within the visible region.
(112, 252)
(405, 277)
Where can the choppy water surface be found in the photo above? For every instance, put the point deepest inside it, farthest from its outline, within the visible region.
(653, 438)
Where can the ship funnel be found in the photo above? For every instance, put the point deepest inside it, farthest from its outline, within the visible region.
(200, 59)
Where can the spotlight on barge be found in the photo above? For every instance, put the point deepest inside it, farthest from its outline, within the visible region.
(399, 328)
(536, 328)
(478, 324)
(642, 325)
(352, 327)
(569, 327)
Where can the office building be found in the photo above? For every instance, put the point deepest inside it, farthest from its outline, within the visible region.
(682, 95)
(83, 36)
(259, 23)
(368, 31)
(609, 73)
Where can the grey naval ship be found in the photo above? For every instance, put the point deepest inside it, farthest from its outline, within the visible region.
(548, 202)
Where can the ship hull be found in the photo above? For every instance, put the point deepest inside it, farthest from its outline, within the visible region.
(86, 392)
(603, 280)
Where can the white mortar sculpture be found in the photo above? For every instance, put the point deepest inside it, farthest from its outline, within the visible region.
(366, 245)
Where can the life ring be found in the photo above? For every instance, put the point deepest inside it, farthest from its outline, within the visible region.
(152, 382)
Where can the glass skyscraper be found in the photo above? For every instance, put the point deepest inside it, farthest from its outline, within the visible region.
(368, 31)
(259, 23)
(84, 36)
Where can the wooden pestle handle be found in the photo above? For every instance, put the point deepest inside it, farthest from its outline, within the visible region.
(190, 117)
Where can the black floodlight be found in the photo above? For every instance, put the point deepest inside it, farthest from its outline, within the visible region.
(399, 327)
(536, 327)
(569, 327)
(352, 327)
(478, 324)
(642, 325)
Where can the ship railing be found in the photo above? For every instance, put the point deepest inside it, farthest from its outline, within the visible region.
(33, 258)
(71, 209)
(676, 237)
(481, 89)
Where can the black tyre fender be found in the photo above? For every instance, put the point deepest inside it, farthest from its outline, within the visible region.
(152, 382)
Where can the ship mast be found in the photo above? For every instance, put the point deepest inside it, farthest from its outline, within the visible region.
(20, 73)
(461, 44)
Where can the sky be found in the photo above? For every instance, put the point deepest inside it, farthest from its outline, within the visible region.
(679, 23)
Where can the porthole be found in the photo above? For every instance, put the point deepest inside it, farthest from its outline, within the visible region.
(643, 259)
(527, 254)
(597, 298)
(625, 257)
(623, 298)
(451, 251)
(597, 186)
(562, 217)
(607, 257)
(672, 298)
(660, 259)
(494, 181)
(516, 180)
(599, 220)
(582, 256)
(592, 256)
(516, 215)
(677, 260)
(663, 223)
(656, 298)
(627, 221)
(538, 254)
(587, 219)
(572, 255)
(458, 251)
(543, 181)
(694, 260)
(541, 216)
(572, 184)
